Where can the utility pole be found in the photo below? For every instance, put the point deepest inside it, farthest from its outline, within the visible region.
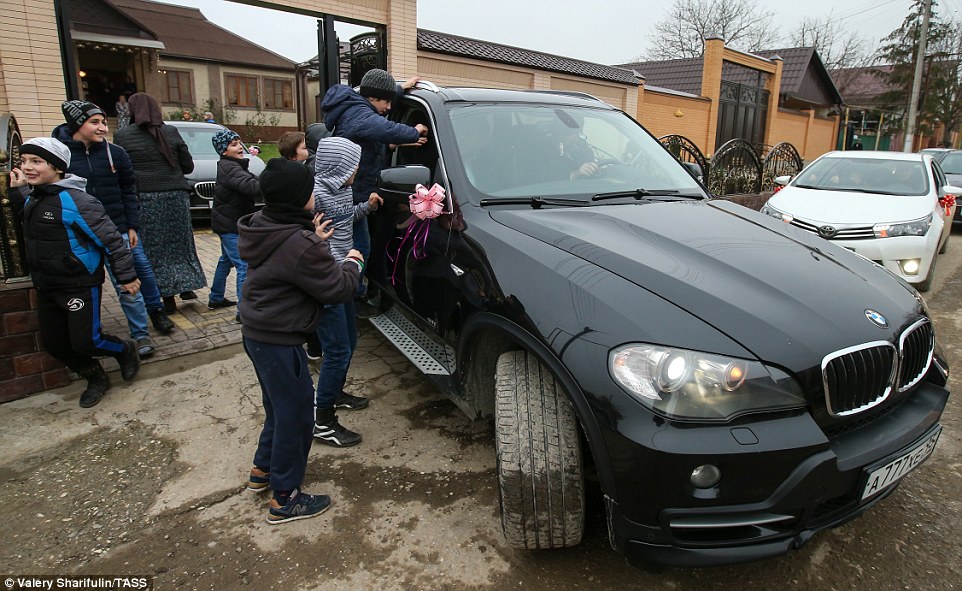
(917, 81)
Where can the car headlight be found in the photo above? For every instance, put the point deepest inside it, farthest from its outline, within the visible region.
(684, 384)
(913, 228)
(778, 215)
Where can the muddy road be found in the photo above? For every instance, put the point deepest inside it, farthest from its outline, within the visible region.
(150, 482)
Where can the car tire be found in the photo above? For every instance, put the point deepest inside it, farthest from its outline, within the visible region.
(540, 471)
(927, 284)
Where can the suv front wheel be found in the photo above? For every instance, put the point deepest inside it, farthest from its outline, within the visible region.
(541, 484)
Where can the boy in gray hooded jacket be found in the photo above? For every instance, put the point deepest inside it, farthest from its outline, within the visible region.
(335, 166)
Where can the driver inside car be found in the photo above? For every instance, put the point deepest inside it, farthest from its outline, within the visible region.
(575, 156)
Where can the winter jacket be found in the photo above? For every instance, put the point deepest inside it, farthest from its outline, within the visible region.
(67, 234)
(235, 193)
(353, 117)
(290, 276)
(154, 174)
(109, 174)
(336, 160)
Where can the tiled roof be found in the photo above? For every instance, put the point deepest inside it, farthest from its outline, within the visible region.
(861, 84)
(186, 33)
(795, 61)
(683, 75)
(494, 52)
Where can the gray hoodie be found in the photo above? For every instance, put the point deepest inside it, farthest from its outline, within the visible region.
(336, 160)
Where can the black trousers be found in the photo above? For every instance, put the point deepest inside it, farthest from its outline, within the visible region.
(70, 327)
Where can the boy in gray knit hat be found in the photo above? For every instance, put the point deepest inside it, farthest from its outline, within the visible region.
(359, 117)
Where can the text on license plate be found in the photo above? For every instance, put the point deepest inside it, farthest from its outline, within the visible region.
(880, 478)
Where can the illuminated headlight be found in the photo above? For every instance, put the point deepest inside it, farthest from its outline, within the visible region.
(684, 384)
(910, 266)
(913, 228)
(778, 215)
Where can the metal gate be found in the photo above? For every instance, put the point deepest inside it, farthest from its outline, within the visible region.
(367, 52)
(685, 150)
(742, 112)
(13, 260)
(782, 160)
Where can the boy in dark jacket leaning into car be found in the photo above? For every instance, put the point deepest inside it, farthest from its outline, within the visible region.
(68, 236)
(235, 193)
(291, 276)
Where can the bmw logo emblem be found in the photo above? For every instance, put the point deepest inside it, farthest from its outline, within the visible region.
(876, 318)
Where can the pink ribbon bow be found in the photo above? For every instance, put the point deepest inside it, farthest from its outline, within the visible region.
(427, 203)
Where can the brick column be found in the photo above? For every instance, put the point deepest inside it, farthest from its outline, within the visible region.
(774, 89)
(24, 367)
(711, 75)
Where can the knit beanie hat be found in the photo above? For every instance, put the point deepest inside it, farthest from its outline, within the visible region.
(379, 84)
(286, 184)
(222, 139)
(50, 149)
(76, 112)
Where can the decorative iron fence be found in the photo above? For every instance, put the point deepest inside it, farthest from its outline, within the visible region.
(738, 167)
(734, 168)
(685, 150)
(13, 259)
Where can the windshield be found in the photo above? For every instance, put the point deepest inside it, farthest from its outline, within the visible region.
(518, 150)
(875, 175)
(952, 163)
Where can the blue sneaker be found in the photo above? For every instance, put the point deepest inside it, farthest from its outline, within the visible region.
(259, 480)
(299, 506)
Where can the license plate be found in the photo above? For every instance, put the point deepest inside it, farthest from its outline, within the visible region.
(887, 475)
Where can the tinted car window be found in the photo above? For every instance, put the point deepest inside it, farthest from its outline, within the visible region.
(511, 150)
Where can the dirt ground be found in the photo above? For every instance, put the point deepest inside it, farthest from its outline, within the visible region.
(150, 482)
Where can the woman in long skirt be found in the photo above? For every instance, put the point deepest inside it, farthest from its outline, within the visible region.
(161, 159)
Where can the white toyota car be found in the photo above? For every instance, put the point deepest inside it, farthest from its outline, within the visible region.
(892, 208)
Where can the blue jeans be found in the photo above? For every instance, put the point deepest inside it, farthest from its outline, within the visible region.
(337, 332)
(135, 307)
(286, 437)
(362, 242)
(229, 259)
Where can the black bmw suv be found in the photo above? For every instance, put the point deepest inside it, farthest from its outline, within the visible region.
(737, 384)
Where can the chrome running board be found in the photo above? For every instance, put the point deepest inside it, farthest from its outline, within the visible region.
(424, 352)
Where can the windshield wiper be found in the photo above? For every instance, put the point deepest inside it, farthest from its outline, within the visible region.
(535, 202)
(644, 193)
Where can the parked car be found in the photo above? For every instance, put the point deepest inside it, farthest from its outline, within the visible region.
(951, 163)
(198, 136)
(731, 383)
(882, 205)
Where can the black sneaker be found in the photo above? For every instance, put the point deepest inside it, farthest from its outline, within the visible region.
(145, 347)
(364, 310)
(224, 303)
(331, 432)
(188, 295)
(129, 361)
(299, 506)
(161, 322)
(97, 384)
(350, 402)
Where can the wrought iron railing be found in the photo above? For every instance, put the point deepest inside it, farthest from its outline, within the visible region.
(13, 259)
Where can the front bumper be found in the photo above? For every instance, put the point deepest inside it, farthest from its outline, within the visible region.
(774, 494)
(889, 251)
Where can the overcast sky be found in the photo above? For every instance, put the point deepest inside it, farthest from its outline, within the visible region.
(602, 31)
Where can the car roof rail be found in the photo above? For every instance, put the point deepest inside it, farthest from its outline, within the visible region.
(572, 93)
(425, 85)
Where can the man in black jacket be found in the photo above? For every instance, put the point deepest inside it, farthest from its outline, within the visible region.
(110, 179)
(68, 236)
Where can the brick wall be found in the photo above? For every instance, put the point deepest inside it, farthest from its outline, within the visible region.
(24, 367)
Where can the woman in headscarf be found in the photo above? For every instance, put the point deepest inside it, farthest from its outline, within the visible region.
(161, 159)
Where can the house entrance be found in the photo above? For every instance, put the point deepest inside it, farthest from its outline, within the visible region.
(743, 105)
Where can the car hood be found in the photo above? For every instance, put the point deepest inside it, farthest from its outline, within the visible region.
(850, 208)
(776, 290)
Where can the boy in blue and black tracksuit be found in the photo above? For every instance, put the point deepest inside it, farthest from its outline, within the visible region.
(68, 236)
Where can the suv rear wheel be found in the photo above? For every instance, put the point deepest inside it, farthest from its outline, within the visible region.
(540, 474)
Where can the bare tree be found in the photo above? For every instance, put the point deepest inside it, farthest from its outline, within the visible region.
(837, 47)
(742, 23)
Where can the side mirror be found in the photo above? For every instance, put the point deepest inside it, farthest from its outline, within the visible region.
(782, 180)
(398, 183)
(694, 170)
